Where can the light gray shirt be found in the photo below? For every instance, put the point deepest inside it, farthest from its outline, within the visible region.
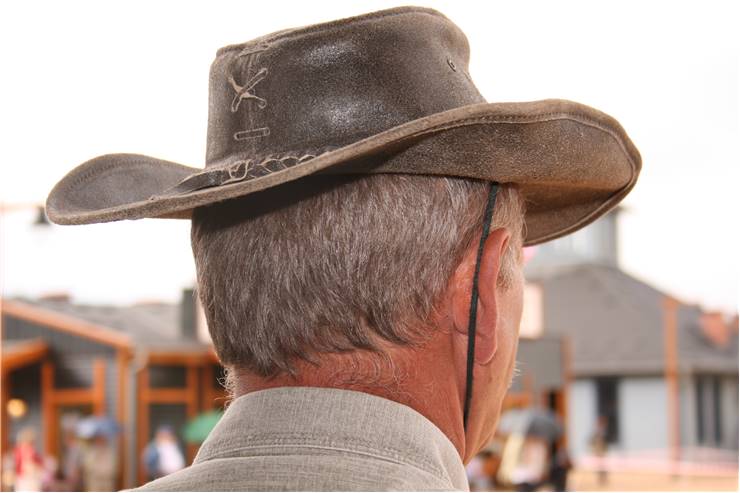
(319, 439)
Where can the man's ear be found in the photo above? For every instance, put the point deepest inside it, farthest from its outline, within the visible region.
(487, 316)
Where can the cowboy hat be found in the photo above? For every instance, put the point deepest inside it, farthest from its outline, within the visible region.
(385, 92)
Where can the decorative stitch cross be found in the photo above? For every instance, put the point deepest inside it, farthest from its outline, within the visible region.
(242, 92)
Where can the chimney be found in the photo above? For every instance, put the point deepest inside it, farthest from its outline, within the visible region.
(60, 297)
(187, 314)
(714, 328)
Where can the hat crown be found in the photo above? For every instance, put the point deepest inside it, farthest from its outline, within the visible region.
(301, 90)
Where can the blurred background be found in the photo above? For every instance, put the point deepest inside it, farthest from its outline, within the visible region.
(629, 343)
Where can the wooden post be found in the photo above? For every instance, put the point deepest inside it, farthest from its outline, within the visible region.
(122, 364)
(206, 386)
(47, 407)
(564, 395)
(192, 405)
(670, 340)
(528, 388)
(99, 387)
(142, 420)
(5, 423)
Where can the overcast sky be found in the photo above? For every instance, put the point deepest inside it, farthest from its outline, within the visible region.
(81, 79)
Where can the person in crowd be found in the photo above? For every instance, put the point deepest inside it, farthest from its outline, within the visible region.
(599, 446)
(70, 470)
(29, 464)
(100, 464)
(163, 456)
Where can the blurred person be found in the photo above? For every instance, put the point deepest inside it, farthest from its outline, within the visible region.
(531, 468)
(29, 464)
(492, 461)
(368, 319)
(50, 474)
(162, 456)
(8, 471)
(560, 466)
(100, 464)
(477, 477)
(599, 445)
(70, 470)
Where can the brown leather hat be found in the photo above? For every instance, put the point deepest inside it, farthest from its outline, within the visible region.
(385, 92)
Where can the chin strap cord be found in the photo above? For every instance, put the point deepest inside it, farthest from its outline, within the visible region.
(474, 302)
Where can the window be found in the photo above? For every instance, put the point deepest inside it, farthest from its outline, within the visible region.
(708, 410)
(607, 406)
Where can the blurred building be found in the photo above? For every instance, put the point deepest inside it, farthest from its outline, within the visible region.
(542, 378)
(661, 373)
(152, 363)
(143, 365)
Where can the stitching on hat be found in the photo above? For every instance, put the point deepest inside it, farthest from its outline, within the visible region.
(243, 92)
(247, 92)
(253, 169)
(252, 134)
(242, 170)
(248, 50)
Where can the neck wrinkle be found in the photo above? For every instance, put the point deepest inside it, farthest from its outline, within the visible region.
(421, 378)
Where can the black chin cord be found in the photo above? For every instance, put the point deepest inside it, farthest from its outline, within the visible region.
(474, 302)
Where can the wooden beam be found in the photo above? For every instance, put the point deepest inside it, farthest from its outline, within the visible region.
(65, 323)
(167, 395)
(516, 400)
(72, 397)
(176, 359)
(23, 354)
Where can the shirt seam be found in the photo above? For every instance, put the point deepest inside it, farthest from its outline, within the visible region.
(390, 455)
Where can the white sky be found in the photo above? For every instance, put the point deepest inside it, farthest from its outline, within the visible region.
(81, 79)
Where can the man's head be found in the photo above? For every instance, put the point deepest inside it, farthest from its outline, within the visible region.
(340, 265)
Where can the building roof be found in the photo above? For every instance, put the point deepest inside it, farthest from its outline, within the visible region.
(149, 326)
(615, 323)
(539, 364)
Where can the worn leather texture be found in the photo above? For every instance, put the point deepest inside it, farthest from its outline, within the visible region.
(385, 92)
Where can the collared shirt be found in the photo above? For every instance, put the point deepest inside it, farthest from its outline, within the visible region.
(320, 439)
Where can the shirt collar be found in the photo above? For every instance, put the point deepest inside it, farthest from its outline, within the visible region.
(340, 419)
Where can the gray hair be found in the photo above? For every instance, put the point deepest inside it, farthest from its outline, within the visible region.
(328, 264)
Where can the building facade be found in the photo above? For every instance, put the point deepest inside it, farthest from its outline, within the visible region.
(662, 374)
(139, 365)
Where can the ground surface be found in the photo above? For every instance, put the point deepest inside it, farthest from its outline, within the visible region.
(587, 480)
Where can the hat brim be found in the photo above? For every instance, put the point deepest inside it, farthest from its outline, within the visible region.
(571, 162)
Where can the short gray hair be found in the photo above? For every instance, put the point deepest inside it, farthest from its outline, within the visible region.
(328, 264)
